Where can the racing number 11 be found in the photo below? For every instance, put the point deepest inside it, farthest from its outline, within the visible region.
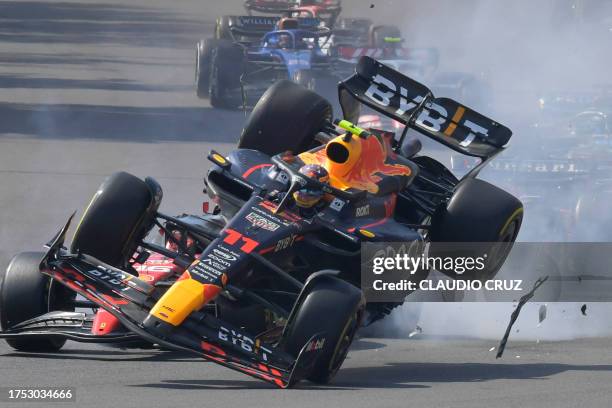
(234, 236)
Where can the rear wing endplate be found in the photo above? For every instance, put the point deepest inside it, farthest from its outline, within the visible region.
(414, 105)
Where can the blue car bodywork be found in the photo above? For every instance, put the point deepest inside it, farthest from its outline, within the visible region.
(290, 50)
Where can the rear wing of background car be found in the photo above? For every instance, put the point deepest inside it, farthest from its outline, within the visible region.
(281, 6)
(414, 105)
(257, 26)
(269, 6)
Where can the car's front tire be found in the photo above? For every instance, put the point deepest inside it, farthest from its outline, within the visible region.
(330, 306)
(119, 215)
(26, 293)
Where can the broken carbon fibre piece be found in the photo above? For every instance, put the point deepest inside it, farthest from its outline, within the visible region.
(524, 299)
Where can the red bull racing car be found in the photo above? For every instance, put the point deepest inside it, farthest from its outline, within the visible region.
(269, 283)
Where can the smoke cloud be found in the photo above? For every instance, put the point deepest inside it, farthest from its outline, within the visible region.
(522, 50)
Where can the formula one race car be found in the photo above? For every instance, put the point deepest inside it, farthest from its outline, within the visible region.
(279, 262)
(325, 10)
(245, 28)
(233, 73)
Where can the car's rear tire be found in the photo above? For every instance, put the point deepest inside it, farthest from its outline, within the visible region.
(478, 212)
(222, 28)
(287, 117)
(118, 217)
(332, 306)
(225, 71)
(26, 293)
(202, 73)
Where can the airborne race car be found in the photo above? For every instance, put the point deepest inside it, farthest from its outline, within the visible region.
(284, 251)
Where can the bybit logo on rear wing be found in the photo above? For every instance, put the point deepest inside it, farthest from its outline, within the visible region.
(432, 117)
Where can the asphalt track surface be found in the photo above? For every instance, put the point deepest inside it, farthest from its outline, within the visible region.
(88, 88)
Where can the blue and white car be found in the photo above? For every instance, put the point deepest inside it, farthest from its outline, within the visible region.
(235, 73)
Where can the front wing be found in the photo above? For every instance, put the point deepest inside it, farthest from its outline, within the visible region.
(69, 325)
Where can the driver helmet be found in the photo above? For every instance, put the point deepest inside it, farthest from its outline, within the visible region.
(284, 41)
(308, 198)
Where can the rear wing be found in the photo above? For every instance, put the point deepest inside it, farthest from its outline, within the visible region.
(251, 26)
(269, 6)
(414, 105)
(258, 26)
(282, 6)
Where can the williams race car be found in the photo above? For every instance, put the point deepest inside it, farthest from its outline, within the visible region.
(353, 31)
(279, 260)
(233, 73)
